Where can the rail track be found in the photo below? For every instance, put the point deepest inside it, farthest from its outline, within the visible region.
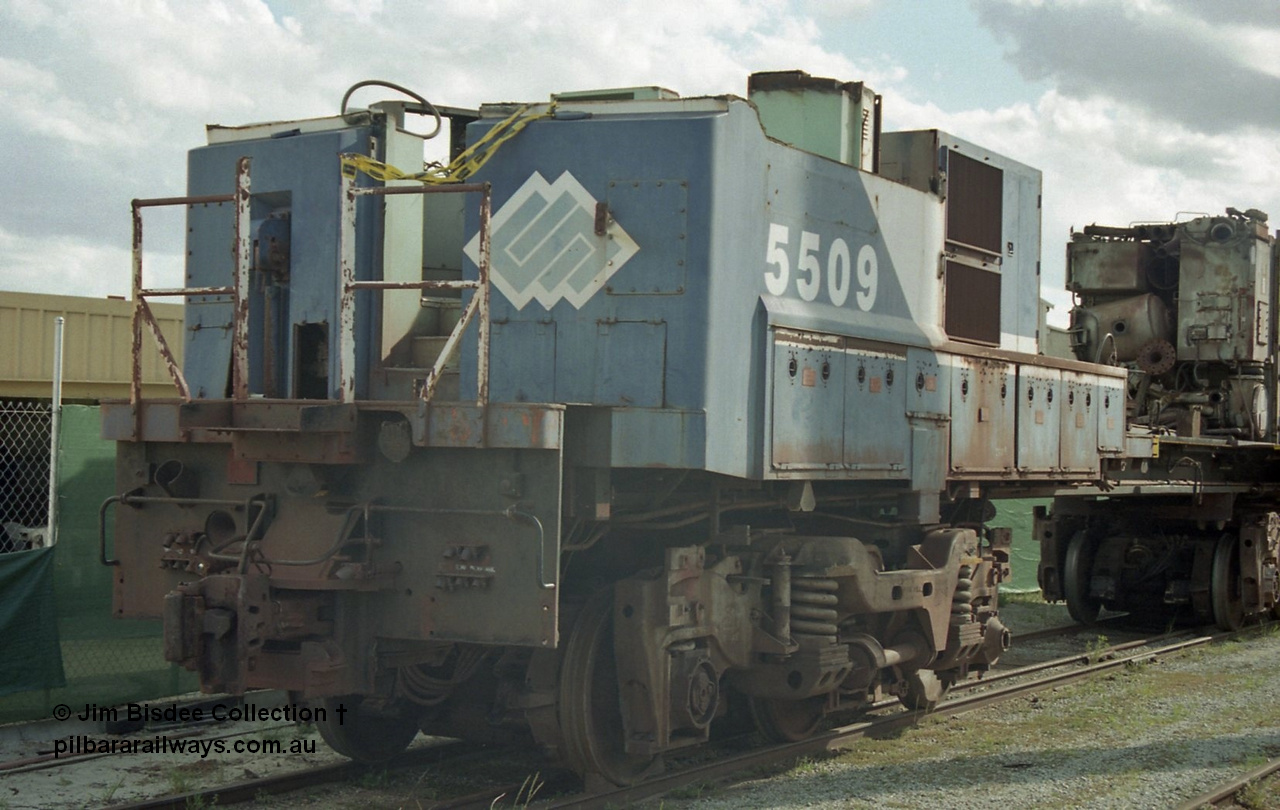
(845, 736)
(558, 789)
(1220, 795)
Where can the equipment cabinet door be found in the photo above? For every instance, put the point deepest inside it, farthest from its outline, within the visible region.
(876, 434)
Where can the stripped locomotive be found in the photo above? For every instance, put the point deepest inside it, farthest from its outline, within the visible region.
(639, 409)
(1186, 309)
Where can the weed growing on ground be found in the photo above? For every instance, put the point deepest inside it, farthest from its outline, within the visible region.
(1255, 796)
(524, 796)
(1096, 650)
(689, 791)
(110, 791)
(199, 802)
(179, 780)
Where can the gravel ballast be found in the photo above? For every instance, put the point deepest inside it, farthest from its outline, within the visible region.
(1148, 735)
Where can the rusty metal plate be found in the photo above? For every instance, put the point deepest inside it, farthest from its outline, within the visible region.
(1039, 418)
(982, 415)
(1079, 425)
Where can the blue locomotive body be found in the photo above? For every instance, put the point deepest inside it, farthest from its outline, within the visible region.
(640, 402)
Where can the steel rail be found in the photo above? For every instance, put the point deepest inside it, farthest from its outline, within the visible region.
(1232, 786)
(1066, 629)
(1066, 660)
(844, 736)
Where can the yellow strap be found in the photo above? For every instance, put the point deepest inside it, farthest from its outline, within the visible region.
(460, 168)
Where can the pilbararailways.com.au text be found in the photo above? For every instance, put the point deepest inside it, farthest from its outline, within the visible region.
(81, 744)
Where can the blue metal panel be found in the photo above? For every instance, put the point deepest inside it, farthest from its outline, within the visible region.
(655, 214)
(1111, 393)
(982, 415)
(929, 388)
(876, 434)
(533, 379)
(630, 364)
(304, 170)
(651, 174)
(769, 236)
(1079, 422)
(929, 416)
(808, 401)
(1039, 418)
(642, 437)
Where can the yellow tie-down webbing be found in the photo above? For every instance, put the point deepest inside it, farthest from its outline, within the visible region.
(460, 168)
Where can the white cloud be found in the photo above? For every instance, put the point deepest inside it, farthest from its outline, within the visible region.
(1175, 59)
(76, 267)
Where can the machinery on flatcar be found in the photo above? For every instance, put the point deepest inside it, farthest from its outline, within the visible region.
(1186, 308)
(641, 406)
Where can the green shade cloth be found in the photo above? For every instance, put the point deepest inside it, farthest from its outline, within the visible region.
(30, 656)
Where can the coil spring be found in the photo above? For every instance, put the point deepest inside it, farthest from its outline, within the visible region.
(813, 609)
(962, 600)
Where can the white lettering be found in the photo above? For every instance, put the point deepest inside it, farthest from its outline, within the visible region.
(841, 272)
(776, 282)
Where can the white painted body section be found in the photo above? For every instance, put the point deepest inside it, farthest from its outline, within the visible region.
(912, 225)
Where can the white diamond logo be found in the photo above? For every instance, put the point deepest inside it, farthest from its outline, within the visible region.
(544, 245)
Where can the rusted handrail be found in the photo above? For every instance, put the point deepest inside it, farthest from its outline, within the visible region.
(348, 285)
(239, 292)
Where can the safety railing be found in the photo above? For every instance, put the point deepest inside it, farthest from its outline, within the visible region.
(477, 308)
(239, 292)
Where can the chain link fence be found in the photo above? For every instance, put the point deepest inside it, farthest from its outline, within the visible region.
(24, 474)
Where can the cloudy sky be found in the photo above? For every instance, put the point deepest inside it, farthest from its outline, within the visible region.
(1134, 109)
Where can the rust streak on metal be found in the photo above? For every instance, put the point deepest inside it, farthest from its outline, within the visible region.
(450, 189)
(482, 295)
(186, 292)
(135, 380)
(203, 200)
(346, 292)
(414, 285)
(170, 363)
(241, 258)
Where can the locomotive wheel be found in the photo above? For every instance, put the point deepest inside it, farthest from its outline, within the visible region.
(590, 711)
(1225, 588)
(1076, 574)
(362, 734)
(788, 720)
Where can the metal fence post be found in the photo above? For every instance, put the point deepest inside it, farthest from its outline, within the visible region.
(55, 425)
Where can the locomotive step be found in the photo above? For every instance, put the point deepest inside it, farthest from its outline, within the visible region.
(427, 349)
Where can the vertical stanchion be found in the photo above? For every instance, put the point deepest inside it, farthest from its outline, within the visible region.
(55, 430)
(240, 297)
(346, 388)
